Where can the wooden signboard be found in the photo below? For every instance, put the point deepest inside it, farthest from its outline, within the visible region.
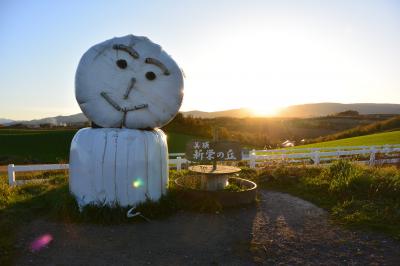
(211, 151)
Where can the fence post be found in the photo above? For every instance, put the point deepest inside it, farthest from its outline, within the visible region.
(372, 156)
(316, 157)
(178, 163)
(11, 175)
(252, 159)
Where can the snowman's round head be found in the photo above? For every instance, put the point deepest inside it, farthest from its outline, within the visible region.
(128, 82)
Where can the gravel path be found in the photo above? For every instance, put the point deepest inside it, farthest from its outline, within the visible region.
(280, 230)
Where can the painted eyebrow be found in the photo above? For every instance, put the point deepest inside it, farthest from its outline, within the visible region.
(132, 52)
(158, 63)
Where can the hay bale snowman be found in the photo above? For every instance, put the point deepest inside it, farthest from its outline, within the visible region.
(129, 88)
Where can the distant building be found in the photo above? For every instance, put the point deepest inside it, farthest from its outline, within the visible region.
(288, 143)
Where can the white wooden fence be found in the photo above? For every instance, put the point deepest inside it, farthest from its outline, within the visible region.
(178, 161)
(256, 158)
(316, 156)
(28, 168)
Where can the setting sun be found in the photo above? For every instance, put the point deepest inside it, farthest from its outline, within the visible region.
(265, 110)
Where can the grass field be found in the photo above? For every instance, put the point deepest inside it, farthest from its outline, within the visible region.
(368, 140)
(52, 146)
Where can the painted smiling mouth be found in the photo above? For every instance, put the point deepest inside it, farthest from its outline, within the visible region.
(126, 95)
(119, 108)
(124, 110)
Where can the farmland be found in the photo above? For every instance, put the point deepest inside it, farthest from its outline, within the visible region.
(52, 146)
(368, 140)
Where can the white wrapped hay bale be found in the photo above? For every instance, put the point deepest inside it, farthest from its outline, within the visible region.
(129, 82)
(124, 166)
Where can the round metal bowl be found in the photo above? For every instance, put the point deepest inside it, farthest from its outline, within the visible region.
(224, 197)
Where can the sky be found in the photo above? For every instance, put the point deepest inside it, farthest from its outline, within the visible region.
(263, 55)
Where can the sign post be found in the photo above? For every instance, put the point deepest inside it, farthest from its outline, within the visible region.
(205, 151)
(214, 177)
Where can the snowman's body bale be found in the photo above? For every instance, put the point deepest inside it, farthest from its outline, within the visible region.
(111, 166)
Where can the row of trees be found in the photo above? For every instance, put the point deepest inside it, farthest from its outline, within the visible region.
(227, 130)
(250, 132)
(271, 132)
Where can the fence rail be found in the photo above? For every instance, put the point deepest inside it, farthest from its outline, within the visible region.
(28, 168)
(255, 158)
(316, 156)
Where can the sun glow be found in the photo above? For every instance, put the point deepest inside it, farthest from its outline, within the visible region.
(265, 110)
(268, 67)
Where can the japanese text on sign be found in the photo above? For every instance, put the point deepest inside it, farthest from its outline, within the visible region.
(200, 150)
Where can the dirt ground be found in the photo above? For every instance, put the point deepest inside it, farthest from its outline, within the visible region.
(279, 230)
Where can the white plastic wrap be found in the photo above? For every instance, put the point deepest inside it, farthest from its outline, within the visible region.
(128, 82)
(124, 166)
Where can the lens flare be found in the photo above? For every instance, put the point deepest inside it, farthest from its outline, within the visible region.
(40, 242)
(137, 183)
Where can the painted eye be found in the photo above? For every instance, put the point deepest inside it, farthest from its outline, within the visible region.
(150, 75)
(121, 63)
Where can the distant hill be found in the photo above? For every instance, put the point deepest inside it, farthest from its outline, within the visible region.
(4, 121)
(300, 111)
(237, 113)
(58, 120)
(324, 109)
(307, 110)
(79, 118)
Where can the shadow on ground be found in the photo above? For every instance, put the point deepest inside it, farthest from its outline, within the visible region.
(279, 229)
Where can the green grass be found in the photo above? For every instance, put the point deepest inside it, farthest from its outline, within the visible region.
(368, 140)
(390, 124)
(38, 146)
(52, 146)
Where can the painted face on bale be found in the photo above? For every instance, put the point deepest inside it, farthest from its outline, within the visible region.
(128, 82)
